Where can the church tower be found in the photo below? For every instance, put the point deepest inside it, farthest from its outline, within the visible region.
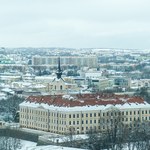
(58, 85)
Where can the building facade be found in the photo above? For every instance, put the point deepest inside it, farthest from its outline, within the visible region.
(80, 61)
(80, 113)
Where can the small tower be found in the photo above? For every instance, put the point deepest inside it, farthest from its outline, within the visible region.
(59, 71)
(58, 85)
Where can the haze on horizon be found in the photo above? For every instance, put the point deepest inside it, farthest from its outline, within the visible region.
(76, 24)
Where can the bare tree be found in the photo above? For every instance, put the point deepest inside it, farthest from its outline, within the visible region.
(112, 133)
(9, 143)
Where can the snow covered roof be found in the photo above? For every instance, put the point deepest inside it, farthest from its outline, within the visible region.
(84, 102)
(7, 90)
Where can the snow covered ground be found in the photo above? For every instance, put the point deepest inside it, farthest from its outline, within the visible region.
(52, 147)
(27, 145)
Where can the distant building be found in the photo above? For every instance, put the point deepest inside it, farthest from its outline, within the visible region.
(79, 61)
(89, 75)
(99, 84)
(141, 83)
(58, 85)
(122, 82)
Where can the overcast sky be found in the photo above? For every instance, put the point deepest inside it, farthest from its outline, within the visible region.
(75, 23)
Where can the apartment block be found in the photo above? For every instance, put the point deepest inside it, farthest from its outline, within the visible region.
(80, 61)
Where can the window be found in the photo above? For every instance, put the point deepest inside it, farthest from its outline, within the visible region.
(94, 121)
(90, 115)
(82, 115)
(69, 116)
(69, 122)
(86, 121)
(73, 115)
(77, 115)
(82, 122)
(126, 112)
(90, 121)
(134, 112)
(61, 87)
(77, 122)
(86, 115)
(94, 114)
(145, 111)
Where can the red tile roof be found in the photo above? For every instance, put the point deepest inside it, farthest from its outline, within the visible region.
(84, 99)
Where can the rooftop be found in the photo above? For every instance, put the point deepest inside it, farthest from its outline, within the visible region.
(85, 100)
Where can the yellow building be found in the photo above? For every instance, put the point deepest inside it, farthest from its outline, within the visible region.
(80, 113)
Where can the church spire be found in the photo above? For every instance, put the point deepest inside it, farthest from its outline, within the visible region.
(59, 71)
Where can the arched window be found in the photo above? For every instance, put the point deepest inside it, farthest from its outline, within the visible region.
(61, 87)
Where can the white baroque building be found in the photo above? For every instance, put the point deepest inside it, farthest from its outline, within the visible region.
(80, 113)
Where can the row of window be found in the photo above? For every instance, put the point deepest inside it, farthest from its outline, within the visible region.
(37, 125)
(37, 112)
(109, 114)
(84, 115)
(104, 120)
(38, 118)
(33, 111)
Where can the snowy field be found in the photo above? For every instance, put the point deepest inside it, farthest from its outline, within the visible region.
(27, 145)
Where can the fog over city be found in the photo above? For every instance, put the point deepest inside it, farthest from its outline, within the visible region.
(75, 24)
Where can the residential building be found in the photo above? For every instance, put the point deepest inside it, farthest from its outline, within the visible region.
(99, 84)
(79, 61)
